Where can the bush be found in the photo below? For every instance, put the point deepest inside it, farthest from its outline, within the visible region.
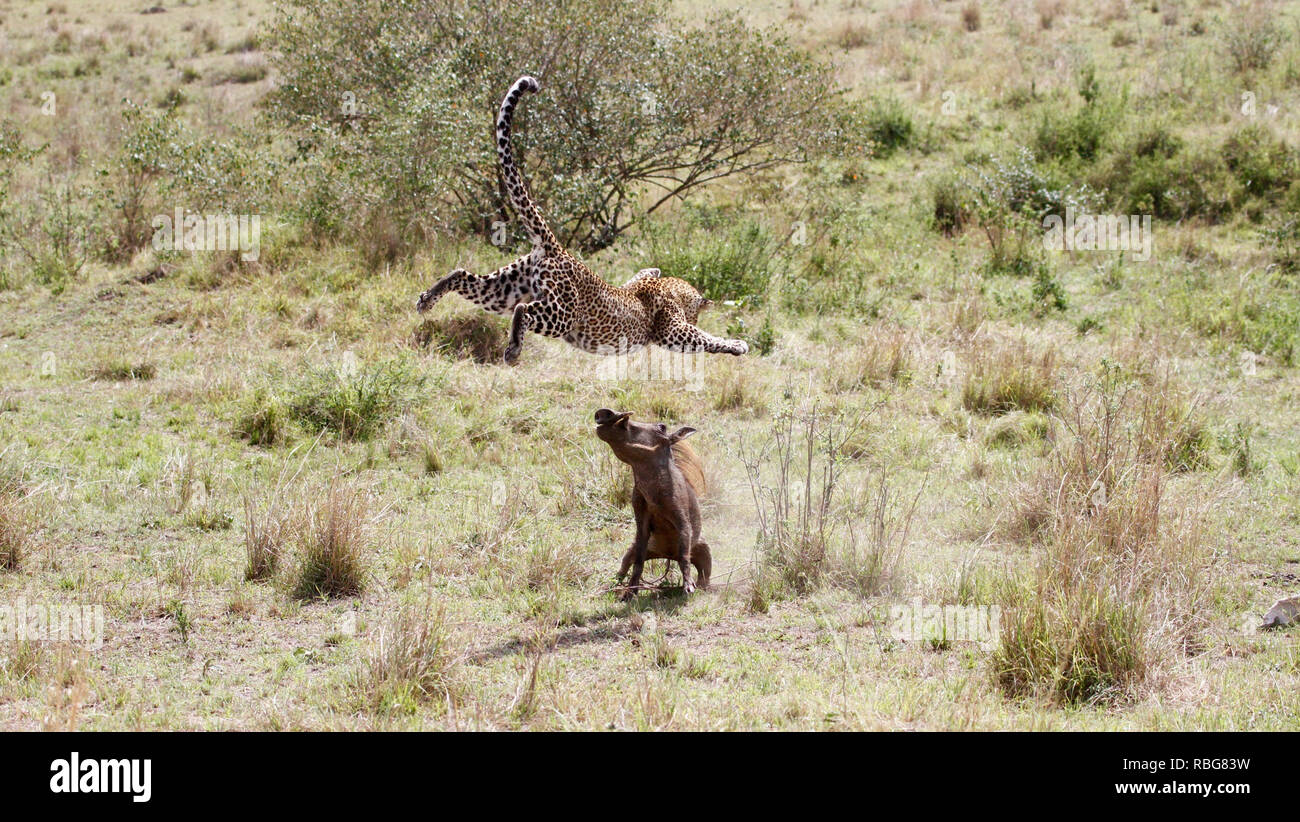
(1009, 200)
(160, 160)
(620, 113)
(1155, 174)
(1079, 134)
(1251, 40)
(733, 267)
(889, 126)
(355, 403)
(1263, 164)
(53, 231)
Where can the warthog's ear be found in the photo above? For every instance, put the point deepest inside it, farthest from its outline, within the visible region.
(705, 302)
(680, 434)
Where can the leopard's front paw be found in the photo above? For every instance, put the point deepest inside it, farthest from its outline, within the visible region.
(512, 353)
(737, 347)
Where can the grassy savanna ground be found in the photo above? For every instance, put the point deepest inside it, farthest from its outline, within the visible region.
(146, 422)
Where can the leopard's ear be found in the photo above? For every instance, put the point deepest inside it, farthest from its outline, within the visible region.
(643, 274)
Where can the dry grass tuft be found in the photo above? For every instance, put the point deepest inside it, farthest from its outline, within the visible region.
(1048, 12)
(15, 529)
(852, 35)
(410, 662)
(1010, 377)
(478, 336)
(810, 530)
(331, 538)
(267, 527)
(1125, 575)
(883, 356)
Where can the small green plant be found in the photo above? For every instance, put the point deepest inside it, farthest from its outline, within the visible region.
(355, 402)
(176, 610)
(1087, 324)
(263, 420)
(889, 126)
(1048, 293)
(765, 339)
(1239, 443)
(209, 518)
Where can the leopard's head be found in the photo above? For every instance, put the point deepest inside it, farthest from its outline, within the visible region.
(687, 296)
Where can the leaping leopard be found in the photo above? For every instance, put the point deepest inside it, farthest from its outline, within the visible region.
(549, 291)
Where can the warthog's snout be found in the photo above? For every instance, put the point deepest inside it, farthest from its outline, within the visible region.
(606, 417)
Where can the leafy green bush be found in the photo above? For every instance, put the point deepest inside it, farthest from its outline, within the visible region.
(391, 103)
(1251, 40)
(736, 265)
(1154, 173)
(160, 164)
(1263, 164)
(1009, 199)
(355, 403)
(889, 126)
(1080, 134)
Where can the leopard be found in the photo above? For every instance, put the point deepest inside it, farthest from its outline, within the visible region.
(550, 292)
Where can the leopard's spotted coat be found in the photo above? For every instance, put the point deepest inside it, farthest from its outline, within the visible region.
(550, 292)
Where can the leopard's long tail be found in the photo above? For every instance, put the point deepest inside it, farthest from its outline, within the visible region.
(522, 201)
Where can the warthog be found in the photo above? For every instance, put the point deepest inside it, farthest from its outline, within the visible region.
(668, 479)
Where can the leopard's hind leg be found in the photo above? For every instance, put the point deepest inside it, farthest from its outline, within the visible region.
(549, 315)
(498, 292)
